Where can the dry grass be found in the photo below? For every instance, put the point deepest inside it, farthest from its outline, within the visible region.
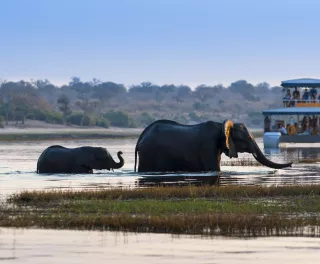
(164, 193)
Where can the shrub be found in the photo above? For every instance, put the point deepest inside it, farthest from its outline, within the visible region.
(46, 116)
(146, 119)
(119, 119)
(75, 119)
(102, 122)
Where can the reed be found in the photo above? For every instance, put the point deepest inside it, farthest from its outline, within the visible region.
(164, 193)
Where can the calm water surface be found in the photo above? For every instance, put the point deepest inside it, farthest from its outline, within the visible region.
(52, 246)
(17, 172)
(18, 165)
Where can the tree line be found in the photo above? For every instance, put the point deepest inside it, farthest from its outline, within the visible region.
(98, 103)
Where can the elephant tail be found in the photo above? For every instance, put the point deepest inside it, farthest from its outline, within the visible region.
(38, 167)
(135, 159)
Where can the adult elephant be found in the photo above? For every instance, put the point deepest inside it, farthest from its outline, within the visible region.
(169, 146)
(58, 159)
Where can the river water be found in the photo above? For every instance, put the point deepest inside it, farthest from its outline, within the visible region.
(52, 246)
(17, 173)
(18, 167)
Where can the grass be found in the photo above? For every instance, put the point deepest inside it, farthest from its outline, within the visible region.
(165, 193)
(212, 210)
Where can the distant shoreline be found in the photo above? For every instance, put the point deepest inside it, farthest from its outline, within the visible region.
(16, 134)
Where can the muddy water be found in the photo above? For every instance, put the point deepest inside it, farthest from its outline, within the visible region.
(52, 246)
(18, 165)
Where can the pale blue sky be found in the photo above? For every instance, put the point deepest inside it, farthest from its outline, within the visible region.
(162, 41)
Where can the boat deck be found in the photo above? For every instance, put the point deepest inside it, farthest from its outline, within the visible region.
(300, 139)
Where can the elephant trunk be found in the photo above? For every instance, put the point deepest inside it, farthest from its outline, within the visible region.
(118, 165)
(260, 157)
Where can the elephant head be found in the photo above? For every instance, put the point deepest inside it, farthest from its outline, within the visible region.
(99, 158)
(239, 139)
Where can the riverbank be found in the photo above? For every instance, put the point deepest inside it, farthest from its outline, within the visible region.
(23, 134)
(207, 210)
(15, 134)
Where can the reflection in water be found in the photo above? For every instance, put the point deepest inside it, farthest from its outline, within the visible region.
(62, 246)
(18, 165)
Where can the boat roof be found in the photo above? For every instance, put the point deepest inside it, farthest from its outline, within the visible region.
(293, 111)
(305, 82)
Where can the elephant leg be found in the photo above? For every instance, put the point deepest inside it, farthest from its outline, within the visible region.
(210, 159)
(81, 169)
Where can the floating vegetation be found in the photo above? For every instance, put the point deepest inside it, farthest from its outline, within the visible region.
(240, 162)
(208, 210)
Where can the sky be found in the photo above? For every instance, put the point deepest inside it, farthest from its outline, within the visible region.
(188, 42)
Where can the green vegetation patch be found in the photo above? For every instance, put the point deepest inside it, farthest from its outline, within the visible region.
(212, 210)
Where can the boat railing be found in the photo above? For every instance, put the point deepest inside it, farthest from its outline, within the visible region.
(301, 103)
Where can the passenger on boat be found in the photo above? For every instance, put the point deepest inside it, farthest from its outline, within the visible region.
(267, 123)
(287, 99)
(306, 95)
(283, 130)
(295, 96)
(313, 94)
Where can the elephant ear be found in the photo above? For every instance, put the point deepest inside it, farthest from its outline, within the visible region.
(227, 128)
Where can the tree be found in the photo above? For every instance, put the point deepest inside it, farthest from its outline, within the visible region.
(4, 100)
(106, 90)
(74, 80)
(64, 107)
(86, 105)
(204, 92)
(242, 87)
(262, 88)
(182, 92)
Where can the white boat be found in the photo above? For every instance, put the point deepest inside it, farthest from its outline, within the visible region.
(300, 116)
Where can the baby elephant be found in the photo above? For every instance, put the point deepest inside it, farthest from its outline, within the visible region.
(58, 159)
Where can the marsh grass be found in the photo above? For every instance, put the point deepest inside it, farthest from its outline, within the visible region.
(163, 193)
(211, 210)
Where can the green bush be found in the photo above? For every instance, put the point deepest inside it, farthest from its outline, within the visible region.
(102, 122)
(119, 119)
(46, 116)
(75, 119)
(146, 119)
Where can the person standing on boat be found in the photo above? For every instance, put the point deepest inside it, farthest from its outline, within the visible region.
(267, 123)
(305, 96)
(296, 95)
(313, 94)
(286, 99)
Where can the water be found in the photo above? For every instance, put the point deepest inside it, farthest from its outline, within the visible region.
(61, 246)
(17, 173)
(18, 167)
